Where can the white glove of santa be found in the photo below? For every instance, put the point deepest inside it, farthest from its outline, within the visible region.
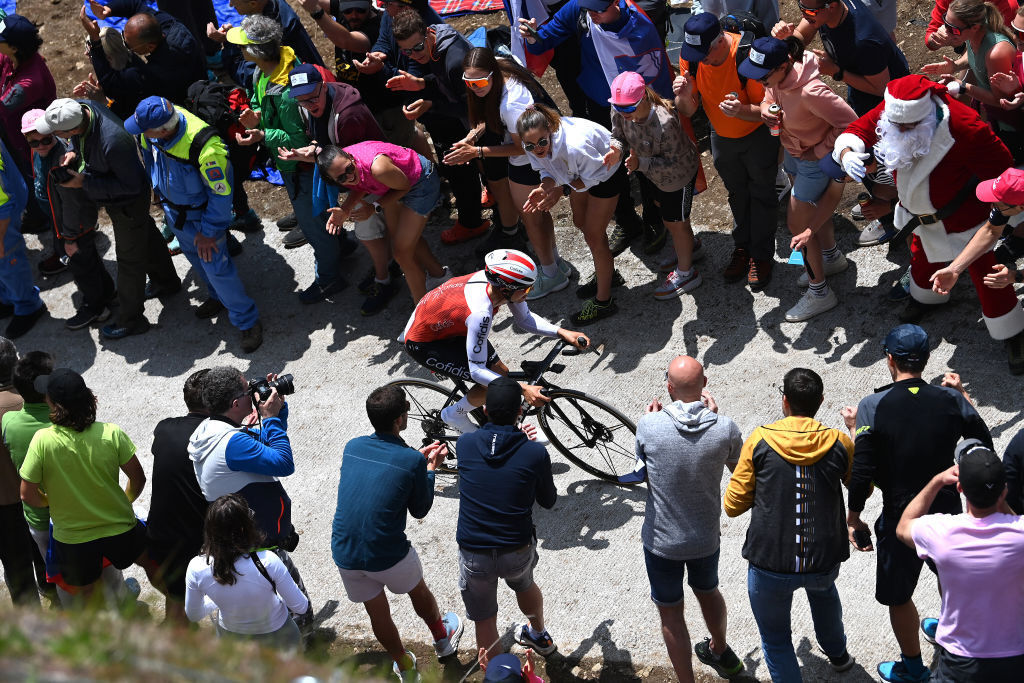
(853, 164)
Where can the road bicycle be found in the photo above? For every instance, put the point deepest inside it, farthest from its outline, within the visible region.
(587, 431)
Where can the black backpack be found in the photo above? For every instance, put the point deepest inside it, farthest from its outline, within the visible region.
(748, 27)
(219, 105)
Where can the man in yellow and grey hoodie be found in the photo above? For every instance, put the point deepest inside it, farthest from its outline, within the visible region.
(789, 476)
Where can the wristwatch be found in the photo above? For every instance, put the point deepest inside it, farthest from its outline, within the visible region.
(315, 16)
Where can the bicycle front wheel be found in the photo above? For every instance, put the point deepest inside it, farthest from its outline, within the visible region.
(590, 433)
(426, 400)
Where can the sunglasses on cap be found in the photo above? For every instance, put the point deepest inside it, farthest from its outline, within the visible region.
(418, 47)
(48, 140)
(478, 83)
(530, 146)
(627, 108)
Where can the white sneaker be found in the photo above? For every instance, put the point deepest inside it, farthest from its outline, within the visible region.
(872, 234)
(810, 305)
(434, 282)
(409, 675)
(831, 268)
(674, 285)
(460, 422)
(449, 645)
(546, 285)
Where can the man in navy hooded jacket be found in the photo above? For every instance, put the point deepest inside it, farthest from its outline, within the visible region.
(501, 474)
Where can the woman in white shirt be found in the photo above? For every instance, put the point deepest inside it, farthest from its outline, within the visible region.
(569, 154)
(251, 588)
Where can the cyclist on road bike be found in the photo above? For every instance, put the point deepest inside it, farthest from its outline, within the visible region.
(447, 333)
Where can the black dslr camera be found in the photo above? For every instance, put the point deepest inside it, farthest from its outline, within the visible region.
(260, 389)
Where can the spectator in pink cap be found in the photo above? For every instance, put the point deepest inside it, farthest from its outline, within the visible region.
(647, 132)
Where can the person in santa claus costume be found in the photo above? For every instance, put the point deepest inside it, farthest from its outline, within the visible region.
(938, 149)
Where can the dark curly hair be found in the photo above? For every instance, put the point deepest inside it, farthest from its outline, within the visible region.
(78, 415)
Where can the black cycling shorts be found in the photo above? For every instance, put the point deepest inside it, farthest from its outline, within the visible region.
(447, 357)
(82, 563)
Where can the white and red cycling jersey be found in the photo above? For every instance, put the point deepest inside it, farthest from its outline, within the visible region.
(462, 308)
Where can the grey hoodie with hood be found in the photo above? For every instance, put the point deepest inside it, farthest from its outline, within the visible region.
(685, 447)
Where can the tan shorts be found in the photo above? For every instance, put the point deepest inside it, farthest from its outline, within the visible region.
(373, 228)
(361, 586)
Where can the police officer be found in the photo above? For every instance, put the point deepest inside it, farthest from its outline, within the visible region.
(189, 168)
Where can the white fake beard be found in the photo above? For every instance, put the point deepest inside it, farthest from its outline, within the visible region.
(896, 149)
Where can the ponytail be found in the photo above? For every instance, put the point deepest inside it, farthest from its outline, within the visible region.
(537, 116)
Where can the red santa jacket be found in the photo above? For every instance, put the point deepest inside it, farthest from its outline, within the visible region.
(973, 150)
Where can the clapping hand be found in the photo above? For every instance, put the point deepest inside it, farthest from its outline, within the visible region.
(217, 34)
(416, 109)
(783, 30)
(946, 66)
(336, 219)
(89, 89)
(250, 118)
(373, 63)
(1001, 276)
(632, 162)
(613, 157)
(405, 81)
(252, 136)
(91, 26)
(460, 153)
(943, 280)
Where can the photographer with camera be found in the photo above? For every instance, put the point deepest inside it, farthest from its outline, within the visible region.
(232, 455)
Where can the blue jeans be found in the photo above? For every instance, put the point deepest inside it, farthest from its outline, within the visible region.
(16, 286)
(771, 601)
(326, 247)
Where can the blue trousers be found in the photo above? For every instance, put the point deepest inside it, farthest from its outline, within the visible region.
(219, 275)
(771, 601)
(326, 247)
(16, 287)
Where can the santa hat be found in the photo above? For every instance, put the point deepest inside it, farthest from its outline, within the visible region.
(909, 99)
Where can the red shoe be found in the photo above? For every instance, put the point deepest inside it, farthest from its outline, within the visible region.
(486, 200)
(459, 233)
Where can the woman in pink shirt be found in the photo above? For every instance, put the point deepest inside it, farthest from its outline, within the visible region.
(809, 119)
(399, 183)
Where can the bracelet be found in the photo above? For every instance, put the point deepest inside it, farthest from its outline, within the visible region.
(317, 15)
(480, 152)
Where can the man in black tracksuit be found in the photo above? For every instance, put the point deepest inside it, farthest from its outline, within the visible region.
(905, 434)
(501, 474)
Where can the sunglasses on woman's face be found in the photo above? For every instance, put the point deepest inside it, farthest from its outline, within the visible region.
(48, 140)
(954, 30)
(349, 176)
(627, 108)
(530, 146)
(418, 47)
(477, 83)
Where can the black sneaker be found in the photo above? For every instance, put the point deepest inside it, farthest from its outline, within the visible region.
(914, 311)
(294, 239)
(6, 311)
(725, 665)
(210, 308)
(286, 223)
(21, 324)
(315, 293)
(621, 237)
(542, 645)
(593, 311)
(247, 222)
(588, 289)
(366, 284)
(86, 317)
(252, 338)
(378, 296)
(497, 238)
(234, 246)
(51, 265)
(843, 662)
(654, 238)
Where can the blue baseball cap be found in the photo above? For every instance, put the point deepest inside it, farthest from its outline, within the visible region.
(303, 80)
(16, 28)
(700, 31)
(151, 113)
(766, 54)
(504, 668)
(907, 342)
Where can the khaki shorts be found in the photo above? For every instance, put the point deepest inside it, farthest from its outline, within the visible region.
(373, 228)
(361, 586)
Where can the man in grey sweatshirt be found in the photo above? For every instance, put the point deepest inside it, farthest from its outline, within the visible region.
(683, 448)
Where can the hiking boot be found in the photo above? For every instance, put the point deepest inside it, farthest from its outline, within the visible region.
(366, 284)
(410, 675)
(874, 233)
(21, 324)
(86, 317)
(810, 305)
(901, 290)
(914, 311)
(116, 331)
(252, 338)
(51, 265)
(929, 625)
(546, 285)
(588, 289)
(896, 672)
(499, 239)
(541, 644)
(759, 274)
(210, 308)
(449, 645)
(654, 238)
(286, 223)
(675, 285)
(247, 222)
(831, 268)
(378, 296)
(621, 237)
(725, 665)
(435, 282)
(843, 662)
(459, 233)
(1015, 357)
(294, 239)
(593, 311)
(739, 265)
(316, 293)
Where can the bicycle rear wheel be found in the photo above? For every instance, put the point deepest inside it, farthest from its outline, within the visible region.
(426, 400)
(590, 433)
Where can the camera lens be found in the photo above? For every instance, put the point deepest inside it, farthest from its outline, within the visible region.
(285, 384)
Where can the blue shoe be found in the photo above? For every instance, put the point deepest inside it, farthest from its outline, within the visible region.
(120, 332)
(449, 645)
(901, 290)
(897, 672)
(542, 644)
(929, 626)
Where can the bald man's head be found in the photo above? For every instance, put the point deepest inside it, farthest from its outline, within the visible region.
(142, 33)
(685, 379)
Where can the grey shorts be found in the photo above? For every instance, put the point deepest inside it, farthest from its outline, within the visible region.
(400, 578)
(372, 228)
(479, 571)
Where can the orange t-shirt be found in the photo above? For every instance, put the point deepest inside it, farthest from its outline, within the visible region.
(715, 82)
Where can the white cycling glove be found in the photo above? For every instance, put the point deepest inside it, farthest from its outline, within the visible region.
(853, 164)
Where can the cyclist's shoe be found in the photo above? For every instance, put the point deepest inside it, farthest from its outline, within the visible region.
(410, 675)
(460, 422)
(675, 285)
(725, 665)
(541, 643)
(929, 625)
(588, 289)
(897, 672)
(546, 285)
(449, 645)
(593, 311)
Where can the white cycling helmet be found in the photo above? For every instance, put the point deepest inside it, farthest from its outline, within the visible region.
(509, 269)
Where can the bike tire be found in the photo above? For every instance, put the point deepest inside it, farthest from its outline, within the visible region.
(426, 400)
(601, 443)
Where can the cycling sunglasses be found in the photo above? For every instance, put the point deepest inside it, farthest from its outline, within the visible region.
(812, 11)
(478, 83)
(627, 108)
(954, 30)
(530, 146)
(418, 47)
(48, 140)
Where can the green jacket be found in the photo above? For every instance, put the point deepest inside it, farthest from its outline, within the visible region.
(280, 120)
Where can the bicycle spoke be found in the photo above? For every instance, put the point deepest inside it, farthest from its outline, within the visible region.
(590, 433)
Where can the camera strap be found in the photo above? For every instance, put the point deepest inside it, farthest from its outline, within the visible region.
(263, 570)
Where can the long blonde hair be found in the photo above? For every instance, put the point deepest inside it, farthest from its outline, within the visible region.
(977, 12)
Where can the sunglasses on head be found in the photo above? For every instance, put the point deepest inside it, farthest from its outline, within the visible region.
(418, 47)
(954, 30)
(627, 108)
(530, 146)
(48, 140)
(478, 83)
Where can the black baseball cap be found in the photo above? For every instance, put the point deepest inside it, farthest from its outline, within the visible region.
(907, 342)
(504, 396)
(62, 386)
(982, 476)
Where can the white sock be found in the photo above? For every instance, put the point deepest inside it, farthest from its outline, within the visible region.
(534, 634)
(457, 416)
(550, 270)
(683, 274)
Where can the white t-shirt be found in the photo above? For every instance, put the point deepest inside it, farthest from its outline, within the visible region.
(249, 606)
(515, 98)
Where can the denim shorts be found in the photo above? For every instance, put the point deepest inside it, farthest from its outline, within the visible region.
(809, 181)
(422, 197)
(479, 571)
(666, 576)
